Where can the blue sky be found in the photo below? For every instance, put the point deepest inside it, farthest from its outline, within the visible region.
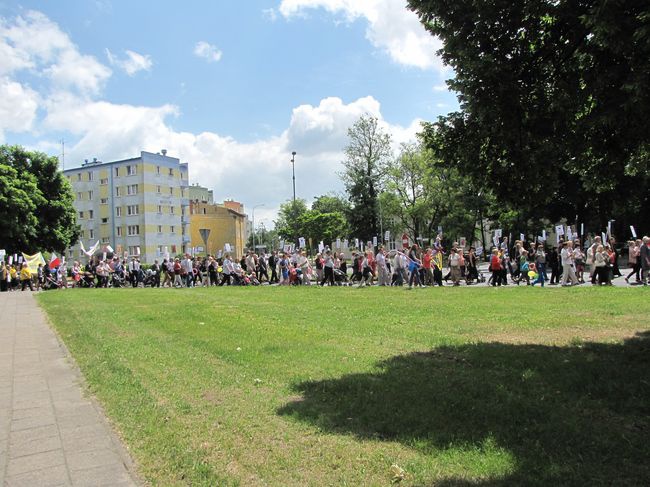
(229, 87)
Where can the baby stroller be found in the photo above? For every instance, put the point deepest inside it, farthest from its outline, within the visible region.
(295, 276)
(149, 278)
(87, 280)
(50, 283)
(252, 279)
(117, 279)
(340, 278)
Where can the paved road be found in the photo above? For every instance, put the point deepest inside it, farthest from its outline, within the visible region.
(50, 433)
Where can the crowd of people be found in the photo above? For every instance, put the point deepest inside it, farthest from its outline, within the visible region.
(569, 264)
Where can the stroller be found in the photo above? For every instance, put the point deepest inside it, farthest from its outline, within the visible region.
(149, 278)
(50, 283)
(295, 276)
(87, 280)
(340, 278)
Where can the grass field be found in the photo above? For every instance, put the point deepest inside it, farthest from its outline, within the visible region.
(313, 386)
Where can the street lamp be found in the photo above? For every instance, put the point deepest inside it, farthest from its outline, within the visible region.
(256, 206)
(293, 170)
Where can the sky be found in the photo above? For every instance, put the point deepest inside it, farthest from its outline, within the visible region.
(230, 87)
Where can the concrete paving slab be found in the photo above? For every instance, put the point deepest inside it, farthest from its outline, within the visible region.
(50, 432)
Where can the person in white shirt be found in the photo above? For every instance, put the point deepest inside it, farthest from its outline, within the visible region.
(382, 268)
(568, 270)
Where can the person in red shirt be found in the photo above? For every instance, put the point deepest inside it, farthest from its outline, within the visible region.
(426, 264)
(495, 267)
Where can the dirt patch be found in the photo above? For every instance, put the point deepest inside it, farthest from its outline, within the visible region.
(560, 336)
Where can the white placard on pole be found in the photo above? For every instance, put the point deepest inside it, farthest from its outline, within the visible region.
(604, 237)
(345, 243)
(522, 237)
(338, 243)
(387, 235)
(227, 247)
(569, 233)
(104, 256)
(582, 229)
(356, 243)
(633, 231)
(498, 233)
(374, 241)
(301, 242)
(559, 229)
(495, 241)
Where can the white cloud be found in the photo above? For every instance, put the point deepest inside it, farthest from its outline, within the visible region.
(133, 62)
(391, 27)
(18, 106)
(207, 51)
(34, 42)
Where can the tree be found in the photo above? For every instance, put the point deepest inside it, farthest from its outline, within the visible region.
(368, 154)
(36, 203)
(288, 223)
(329, 203)
(553, 99)
(425, 195)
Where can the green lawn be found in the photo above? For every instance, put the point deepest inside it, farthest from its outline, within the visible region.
(314, 386)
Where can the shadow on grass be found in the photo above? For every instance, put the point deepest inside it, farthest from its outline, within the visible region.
(574, 415)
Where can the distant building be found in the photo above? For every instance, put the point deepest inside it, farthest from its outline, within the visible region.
(199, 193)
(138, 206)
(221, 223)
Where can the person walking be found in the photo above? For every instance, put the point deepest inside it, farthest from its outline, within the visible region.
(567, 264)
(540, 264)
(644, 255)
(328, 268)
(26, 277)
(382, 268)
(495, 267)
(634, 260)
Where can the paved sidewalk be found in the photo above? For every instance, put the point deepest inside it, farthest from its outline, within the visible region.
(50, 434)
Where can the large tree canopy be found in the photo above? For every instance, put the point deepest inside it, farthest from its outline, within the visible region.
(36, 210)
(554, 102)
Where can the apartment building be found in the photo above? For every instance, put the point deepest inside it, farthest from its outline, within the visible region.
(137, 206)
(213, 225)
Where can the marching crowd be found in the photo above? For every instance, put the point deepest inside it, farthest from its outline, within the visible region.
(568, 264)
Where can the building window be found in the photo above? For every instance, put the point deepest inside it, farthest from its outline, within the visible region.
(90, 195)
(70, 254)
(78, 176)
(91, 214)
(118, 211)
(205, 211)
(117, 191)
(171, 171)
(103, 181)
(117, 172)
(133, 250)
(171, 210)
(91, 234)
(81, 215)
(131, 170)
(90, 175)
(171, 191)
(119, 231)
(159, 228)
(158, 189)
(172, 229)
(159, 209)
(182, 193)
(104, 201)
(132, 230)
(105, 240)
(132, 210)
(132, 189)
(82, 234)
(104, 220)
(157, 169)
(80, 196)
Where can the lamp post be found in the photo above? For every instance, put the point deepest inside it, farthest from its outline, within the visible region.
(256, 206)
(293, 171)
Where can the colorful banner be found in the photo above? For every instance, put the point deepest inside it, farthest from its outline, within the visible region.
(33, 261)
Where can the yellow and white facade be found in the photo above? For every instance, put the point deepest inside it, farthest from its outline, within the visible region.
(137, 206)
